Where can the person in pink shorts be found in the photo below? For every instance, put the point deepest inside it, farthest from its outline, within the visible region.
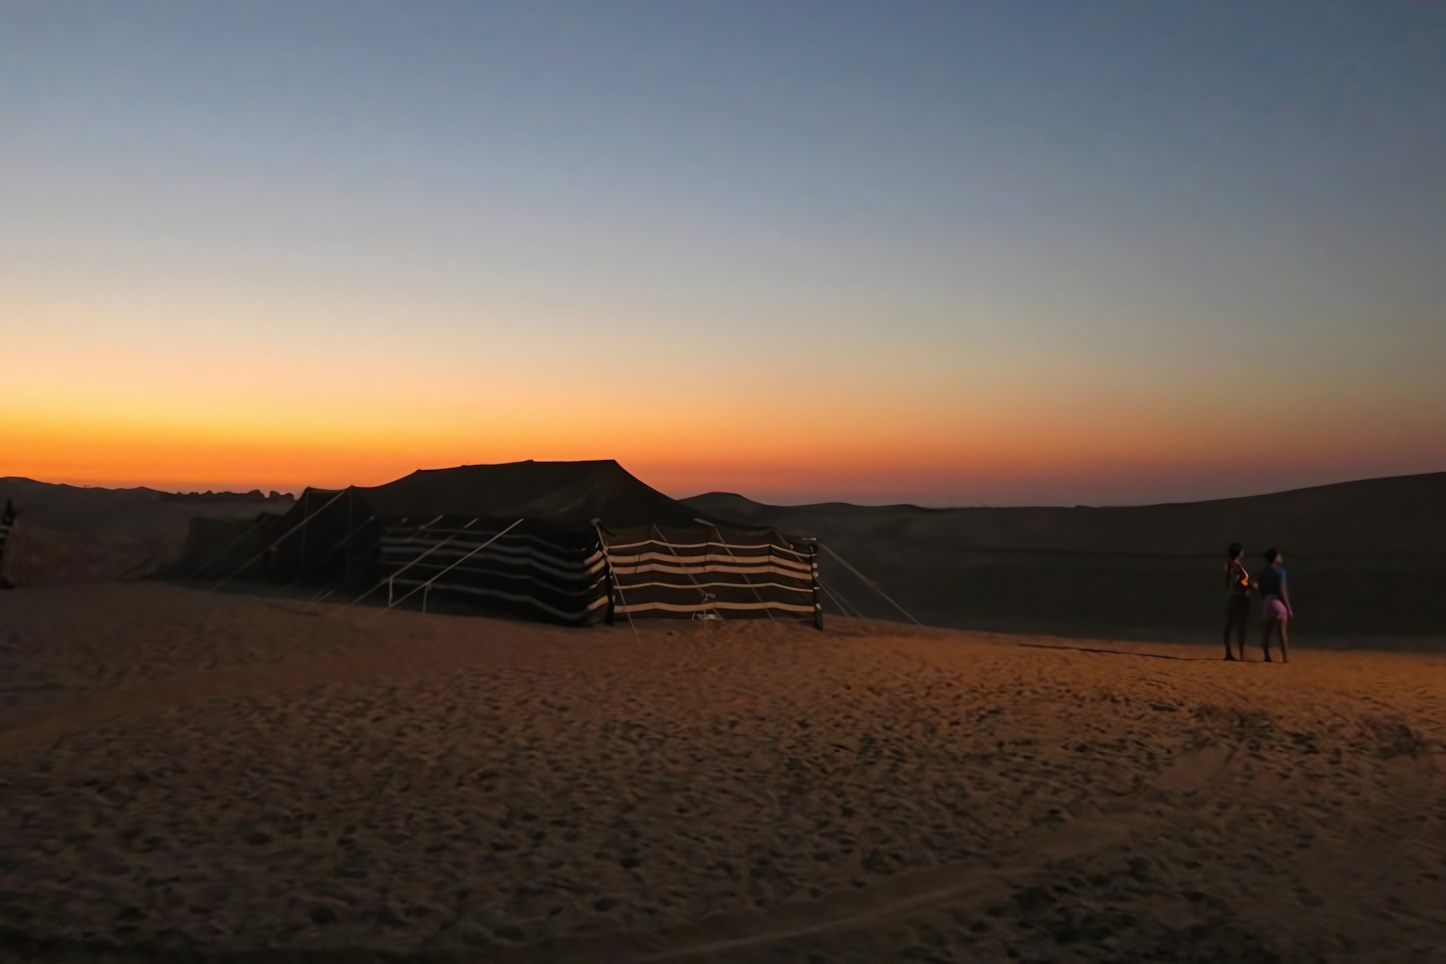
(1275, 610)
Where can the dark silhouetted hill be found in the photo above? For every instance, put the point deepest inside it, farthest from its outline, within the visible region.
(1365, 559)
(69, 533)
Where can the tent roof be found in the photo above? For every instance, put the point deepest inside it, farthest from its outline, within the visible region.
(566, 495)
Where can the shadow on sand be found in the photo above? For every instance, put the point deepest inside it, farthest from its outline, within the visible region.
(1119, 652)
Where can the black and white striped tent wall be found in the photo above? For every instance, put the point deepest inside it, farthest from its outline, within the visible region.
(336, 543)
(644, 571)
(455, 562)
(707, 572)
(489, 563)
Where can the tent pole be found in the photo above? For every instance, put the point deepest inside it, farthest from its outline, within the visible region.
(350, 504)
(748, 582)
(701, 591)
(413, 562)
(817, 602)
(346, 576)
(608, 560)
(302, 574)
(610, 615)
(454, 565)
(306, 506)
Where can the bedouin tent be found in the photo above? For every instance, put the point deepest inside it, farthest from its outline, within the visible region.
(575, 542)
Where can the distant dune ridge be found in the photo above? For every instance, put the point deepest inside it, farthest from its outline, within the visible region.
(68, 533)
(1365, 557)
(1401, 514)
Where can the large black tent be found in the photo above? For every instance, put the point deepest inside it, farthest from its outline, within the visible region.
(575, 542)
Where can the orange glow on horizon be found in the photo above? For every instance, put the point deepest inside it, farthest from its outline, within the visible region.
(155, 400)
(872, 460)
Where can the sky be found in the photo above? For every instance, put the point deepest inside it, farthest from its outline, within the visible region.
(990, 253)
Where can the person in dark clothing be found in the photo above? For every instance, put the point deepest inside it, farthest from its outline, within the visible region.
(7, 522)
(1275, 609)
(1237, 601)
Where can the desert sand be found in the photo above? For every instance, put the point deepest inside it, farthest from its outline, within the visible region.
(209, 776)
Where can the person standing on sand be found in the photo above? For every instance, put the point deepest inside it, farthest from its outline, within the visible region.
(1237, 601)
(1275, 603)
(7, 522)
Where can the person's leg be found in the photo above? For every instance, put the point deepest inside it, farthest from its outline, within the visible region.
(1266, 625)
(1242, 630)
(1284, 643)
(1229, 628)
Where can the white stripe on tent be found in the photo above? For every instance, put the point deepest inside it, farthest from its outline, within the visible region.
(568, 560)
(407, 533)
(684, 562)
(711, 558)
(749, 582)
(617, 584)
(410, 564)
(505, 574)
(520, 559)
(452, 566)
(706, 545)
(724, 585)
(712, 604)
(691, 570)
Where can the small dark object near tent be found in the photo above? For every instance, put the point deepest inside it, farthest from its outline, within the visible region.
(574, 542)
(7, 522)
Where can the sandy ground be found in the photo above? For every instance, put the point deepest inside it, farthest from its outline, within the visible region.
(199, 776)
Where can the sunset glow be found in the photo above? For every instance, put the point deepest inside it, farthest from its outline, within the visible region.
(244, 251)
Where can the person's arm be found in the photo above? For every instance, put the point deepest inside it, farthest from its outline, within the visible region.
(1285, 594)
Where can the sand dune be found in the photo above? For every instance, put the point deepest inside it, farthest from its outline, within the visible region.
(221, 774)
(70, 533)
(1367, 561)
